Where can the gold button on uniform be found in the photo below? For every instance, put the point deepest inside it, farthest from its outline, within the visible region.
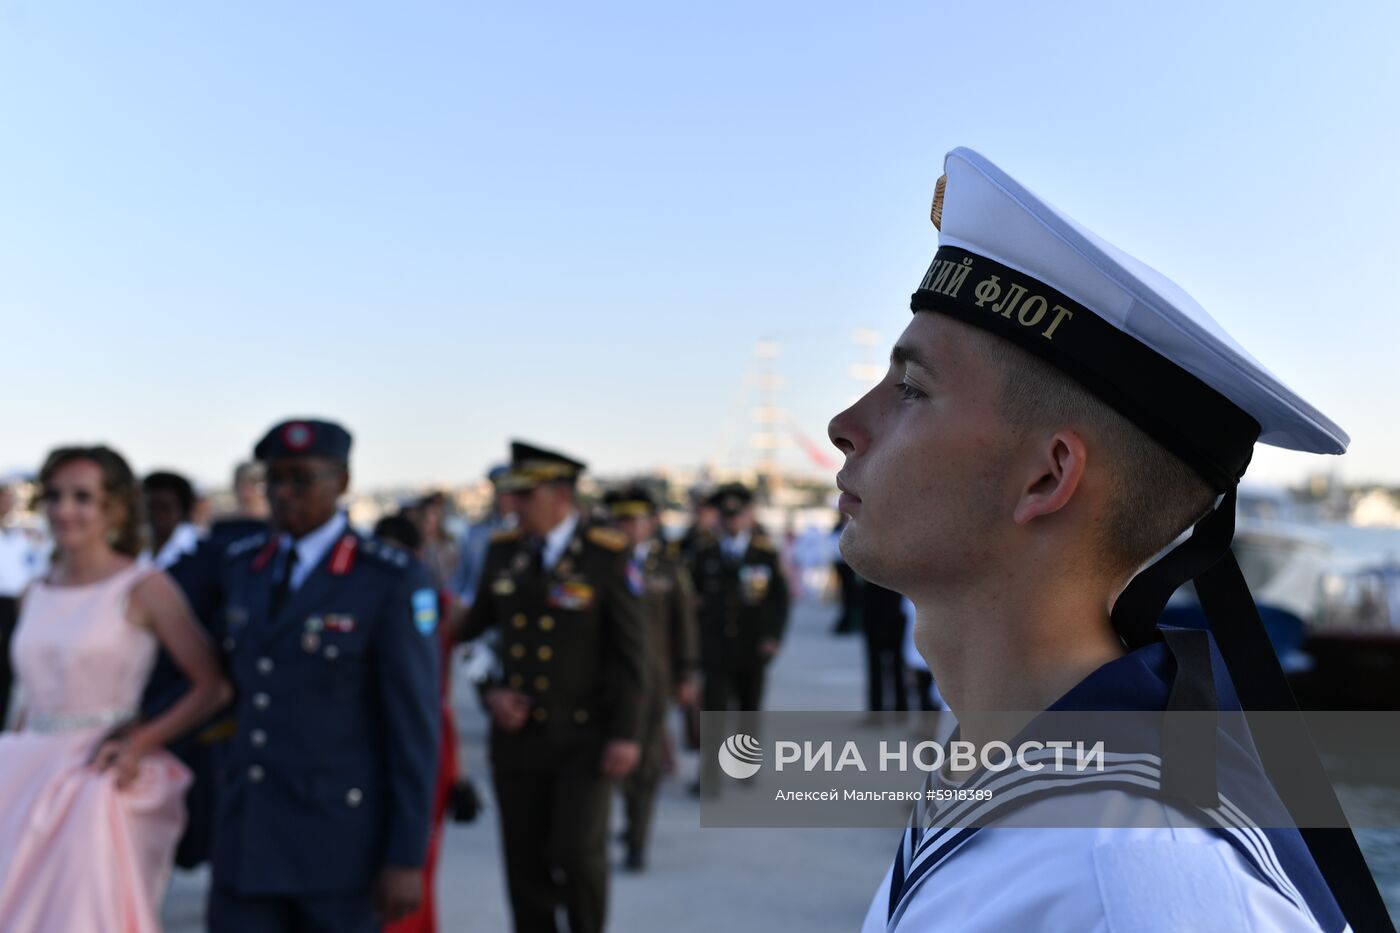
(519, 620)
(545, 652)
(540, 714)
(541, 683)
(517, 650)
(353, 797)
(546, 622)
(258, 738)
(517, 681)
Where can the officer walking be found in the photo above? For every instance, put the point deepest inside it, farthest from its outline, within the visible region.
(325, 802)
(743, 604)
(568, 705)
(668, 607)
(743, 610)
(703, 526)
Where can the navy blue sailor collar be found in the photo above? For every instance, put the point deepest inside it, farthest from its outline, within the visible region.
(1140, 681)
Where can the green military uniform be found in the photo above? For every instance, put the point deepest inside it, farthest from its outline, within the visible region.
(657, 572)
(570, 636)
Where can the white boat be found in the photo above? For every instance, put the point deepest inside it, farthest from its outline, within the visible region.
(1342, 584)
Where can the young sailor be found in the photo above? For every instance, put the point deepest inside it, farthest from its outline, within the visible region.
(1058, 416)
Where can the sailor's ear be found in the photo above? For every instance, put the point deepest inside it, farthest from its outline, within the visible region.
(1055, 468)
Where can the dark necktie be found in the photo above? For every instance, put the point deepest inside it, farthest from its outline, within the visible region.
(283, 586)
(535, 548)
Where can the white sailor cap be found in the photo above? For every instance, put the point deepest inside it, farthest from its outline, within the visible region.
(1014, 265)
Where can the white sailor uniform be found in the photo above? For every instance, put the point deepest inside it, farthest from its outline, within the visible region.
(1151, 864)
(1145, 880)
(1014, 266)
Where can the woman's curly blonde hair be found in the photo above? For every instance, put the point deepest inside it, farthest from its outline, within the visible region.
(118, 482)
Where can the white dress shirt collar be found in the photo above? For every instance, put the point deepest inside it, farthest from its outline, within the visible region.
(183, 540)
(313, 546)
(558, 538)
(736, 546)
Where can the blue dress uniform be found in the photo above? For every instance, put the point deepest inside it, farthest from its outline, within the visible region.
(330, 774)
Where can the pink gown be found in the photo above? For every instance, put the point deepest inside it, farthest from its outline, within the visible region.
(77, 855)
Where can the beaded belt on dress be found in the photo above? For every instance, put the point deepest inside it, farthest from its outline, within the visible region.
(73, 722)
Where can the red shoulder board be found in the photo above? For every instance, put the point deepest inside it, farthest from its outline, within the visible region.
(265, 555)
(343, 557)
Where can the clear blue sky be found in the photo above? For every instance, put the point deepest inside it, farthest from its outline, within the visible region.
(445, 224)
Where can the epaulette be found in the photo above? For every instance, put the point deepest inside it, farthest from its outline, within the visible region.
(505, 534)
(761, 543)
(385, 552)
(609, 538)
(244, 545)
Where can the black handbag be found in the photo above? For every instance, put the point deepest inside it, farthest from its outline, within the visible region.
(465, 801)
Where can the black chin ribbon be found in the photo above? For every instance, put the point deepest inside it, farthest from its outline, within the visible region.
(1260, 684)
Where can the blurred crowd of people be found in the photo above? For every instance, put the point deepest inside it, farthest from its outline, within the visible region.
(267, 689)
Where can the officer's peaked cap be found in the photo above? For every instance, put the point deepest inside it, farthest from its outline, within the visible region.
(305, 437)
(530, 466)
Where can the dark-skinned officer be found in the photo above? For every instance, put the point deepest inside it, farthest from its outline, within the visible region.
(169, 504)
(668, 606)
(567, 708)
(325, 799)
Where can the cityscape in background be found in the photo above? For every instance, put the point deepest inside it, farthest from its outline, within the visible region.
(790, 502)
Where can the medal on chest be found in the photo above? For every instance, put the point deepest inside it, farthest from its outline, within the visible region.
(753, 581)
(311, 634)
(636, 579)
(575, 595)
